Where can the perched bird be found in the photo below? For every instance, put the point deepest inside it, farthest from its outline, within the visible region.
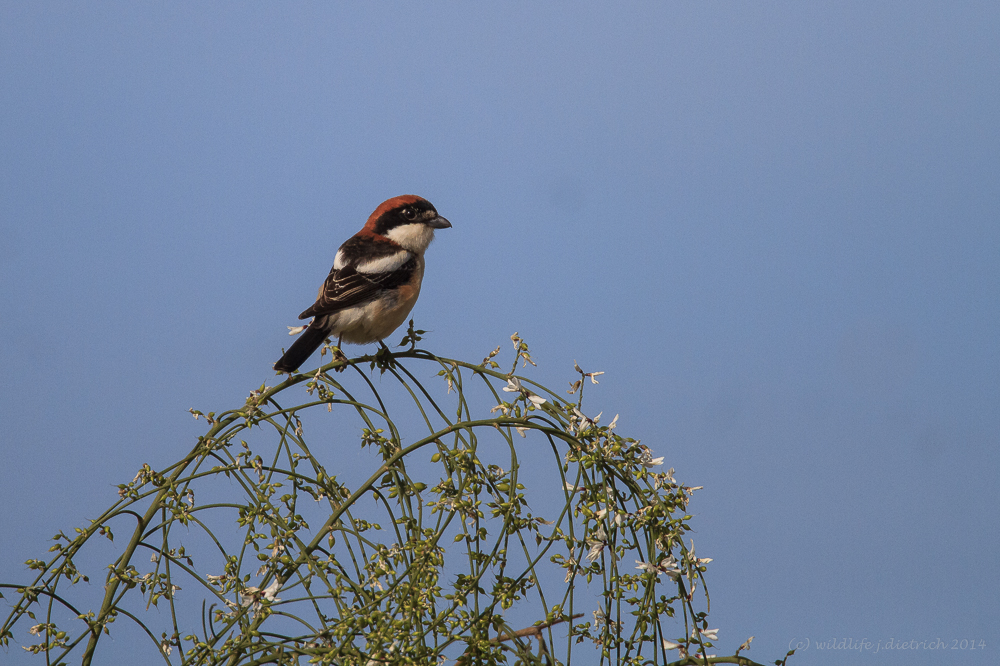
(374, 282)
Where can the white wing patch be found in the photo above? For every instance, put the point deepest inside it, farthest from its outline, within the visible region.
(338, 261)
(414, 237)
(386, 264)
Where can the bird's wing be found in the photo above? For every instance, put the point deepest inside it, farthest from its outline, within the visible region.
(346, 287)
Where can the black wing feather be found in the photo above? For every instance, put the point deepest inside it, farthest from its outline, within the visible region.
(346, 287)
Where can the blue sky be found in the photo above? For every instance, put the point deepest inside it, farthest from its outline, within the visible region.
(773, 225)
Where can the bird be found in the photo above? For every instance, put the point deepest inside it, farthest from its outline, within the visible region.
(374, 282)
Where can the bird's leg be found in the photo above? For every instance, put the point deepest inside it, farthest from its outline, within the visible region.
(339, 355)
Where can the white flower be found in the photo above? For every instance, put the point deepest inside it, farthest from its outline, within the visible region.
(250, 595)
(513, 385)
(703, 560)
(670, 645)
(271, 591)
(166, 647)
(710, 634)
(647, 459)
(570, 569)
(597, 544)
(592, 375)
(648, 568)
(667, 565)
(583, 421)
(615, 517)
(295, 330)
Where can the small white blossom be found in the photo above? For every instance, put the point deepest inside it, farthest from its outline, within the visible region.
(647, 567)
(616, 517)
(597, 544)
(253, 595)
(670, 645)
(667, 565)
(592, 375)
(647, 459)
(583, 421)
(271, 591)
(166, 647)
(295, 330)
(249, 595)
(707, 634)
(513, 385)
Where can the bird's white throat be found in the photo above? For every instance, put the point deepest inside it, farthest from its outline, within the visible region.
(414, 237)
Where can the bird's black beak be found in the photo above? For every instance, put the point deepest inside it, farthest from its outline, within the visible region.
(438, 223)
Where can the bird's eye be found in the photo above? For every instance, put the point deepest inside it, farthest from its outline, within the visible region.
(409, 213)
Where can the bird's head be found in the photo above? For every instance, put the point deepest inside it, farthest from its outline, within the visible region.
(408, 220)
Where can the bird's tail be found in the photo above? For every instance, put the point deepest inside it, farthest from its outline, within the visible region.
(308, 342)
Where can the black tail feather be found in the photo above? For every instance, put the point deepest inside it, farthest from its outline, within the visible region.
(308, 342)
